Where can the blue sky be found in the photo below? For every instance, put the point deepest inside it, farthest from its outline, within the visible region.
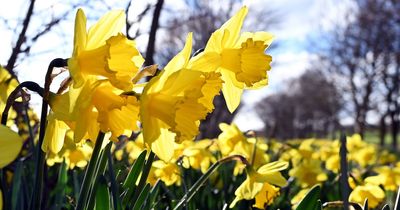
(300, 21)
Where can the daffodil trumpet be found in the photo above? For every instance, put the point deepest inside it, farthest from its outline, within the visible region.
(196, 186)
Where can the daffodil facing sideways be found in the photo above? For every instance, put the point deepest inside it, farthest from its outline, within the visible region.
(96, 106)
(240, 58)
(177, 99)
(258, 184)
(104, 51)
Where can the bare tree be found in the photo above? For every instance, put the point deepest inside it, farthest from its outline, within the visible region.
(309, 107)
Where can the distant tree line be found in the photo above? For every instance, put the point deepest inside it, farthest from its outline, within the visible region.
(308, 107)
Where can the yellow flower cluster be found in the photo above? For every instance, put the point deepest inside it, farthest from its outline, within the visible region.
(263, 177)
(103, 93)
(312, 160)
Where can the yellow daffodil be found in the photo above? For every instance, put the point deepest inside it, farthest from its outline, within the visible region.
(117, 113)
(364, 156)
(96, 105)
(198, 155)
(229, 137)
(254, 183)
(55, 134)
(104, 51)
(233, 142)
(308, 173)
(169, 172)
(239, 58)
(266, 196)
(387, 176)
(374, 194)
(74, 155)
(177, 99)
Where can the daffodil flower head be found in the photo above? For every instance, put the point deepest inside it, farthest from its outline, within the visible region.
(75, 107)
(177, 99)
(168, 172)
(254, 183)
(104, 51)
(387, 176)
(117, 113)
(55, 134)
(240, 59)
(374, 193)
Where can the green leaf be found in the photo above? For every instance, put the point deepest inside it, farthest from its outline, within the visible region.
(133, 175)
(135, 171)
(365, 207)
(311, 200)
(397, 203)
(153, 195)
(16, 186)
(102, 195)
(142, 197)
(61, 185)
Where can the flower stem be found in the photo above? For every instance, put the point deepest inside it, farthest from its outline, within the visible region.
(114, 186)
(195, 188)
(36, 198)
(15, 94)
(90, 171)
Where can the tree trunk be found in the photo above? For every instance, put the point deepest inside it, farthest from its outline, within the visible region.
(151, 45)
(382, 130)
(395, 129)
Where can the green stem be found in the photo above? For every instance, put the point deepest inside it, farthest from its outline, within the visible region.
(90, 171)
(114, 187)
(98, 175)
(40, 155)
(15, 94)
(344, 172)
(196, 187)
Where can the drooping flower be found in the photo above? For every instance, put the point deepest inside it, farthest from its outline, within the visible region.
(177, 99)
(233, 142)
(55, 133)
(104, 51)
(387, 176)
(374, 194)
(73, 154)
(254, 183)
(239, 58)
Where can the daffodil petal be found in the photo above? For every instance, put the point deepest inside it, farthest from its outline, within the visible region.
(231, 92)
(163, 147)
(80, 30)
(10, 145)
(108, 25)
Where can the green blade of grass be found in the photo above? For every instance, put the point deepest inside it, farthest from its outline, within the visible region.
(310, 201)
